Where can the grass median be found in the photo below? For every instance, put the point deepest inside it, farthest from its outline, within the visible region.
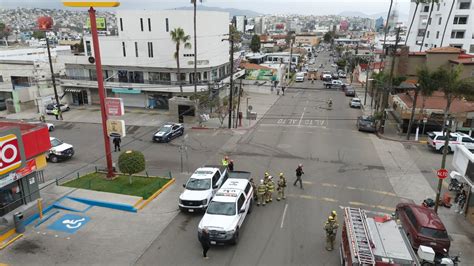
(141, 186)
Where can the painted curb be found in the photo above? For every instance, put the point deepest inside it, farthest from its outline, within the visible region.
(11, 241)
(145, 203)
(7, 235)
(105, 204)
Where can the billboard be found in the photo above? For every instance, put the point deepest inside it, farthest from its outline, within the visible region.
(101, 24)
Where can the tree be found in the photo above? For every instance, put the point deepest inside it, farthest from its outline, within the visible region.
(329, 37)
(453, 87)
(131, 162)
(426, 85)
(5, 31)
(179, 37)
(341, 63)
(194, 2)
(417, 2)
(255, 44)
(428, 22)
(38, 34)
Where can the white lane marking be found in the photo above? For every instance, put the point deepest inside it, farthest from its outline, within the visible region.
(301, 118)
(283, 216)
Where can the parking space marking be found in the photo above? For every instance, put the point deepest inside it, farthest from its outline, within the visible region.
(69, 223)
(283, 216)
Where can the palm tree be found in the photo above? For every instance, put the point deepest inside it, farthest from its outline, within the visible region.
(178, 36)
(453, 86)
(195, 46)
(426, 85)
(428, 22)
(418, 2)
(446, 24)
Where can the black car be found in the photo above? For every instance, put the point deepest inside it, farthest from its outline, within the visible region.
(168, 132)
(349, 91)
(366, 123)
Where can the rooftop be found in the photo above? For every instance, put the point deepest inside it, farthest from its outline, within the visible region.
(437, 101)
(445, 50)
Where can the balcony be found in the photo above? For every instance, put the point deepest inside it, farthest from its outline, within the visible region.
(122, 82)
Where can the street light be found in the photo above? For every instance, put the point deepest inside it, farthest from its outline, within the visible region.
(98, 67)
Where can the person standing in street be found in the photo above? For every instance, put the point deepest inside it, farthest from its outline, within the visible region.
(331, 231)
(225, 161)
(270, 188)
(117, 141)
(334, 215)
(56, 113)
(261, 191)
(281, 187)
(205, 242)
(231, 165)
(299, 173)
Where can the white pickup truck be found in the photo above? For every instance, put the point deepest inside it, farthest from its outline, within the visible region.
(201, 187)
(228, 209)
(335, 83)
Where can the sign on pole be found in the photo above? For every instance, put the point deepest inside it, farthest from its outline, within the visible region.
(442, 173)
(116, 128)
(114, 106)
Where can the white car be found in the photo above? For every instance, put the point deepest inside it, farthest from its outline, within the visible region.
(50, 107)
(355, 103)
(201, 188)
(436, 141)
(49, 125)
(299, 77)
(59, 150)
(227, 211)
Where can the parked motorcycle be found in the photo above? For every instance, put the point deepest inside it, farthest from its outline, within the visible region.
(455, 184)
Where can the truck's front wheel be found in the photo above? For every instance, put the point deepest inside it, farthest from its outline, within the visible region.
(235, 240)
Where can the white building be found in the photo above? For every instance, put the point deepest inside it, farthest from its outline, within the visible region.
(25, 77)
(459, 28)
(139, 64)
(240, 23)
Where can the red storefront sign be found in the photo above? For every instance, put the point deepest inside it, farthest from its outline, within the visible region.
(114, 106)
(13, 176)
(11, 151)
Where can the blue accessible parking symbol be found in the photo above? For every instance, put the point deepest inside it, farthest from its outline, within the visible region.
(69, 223)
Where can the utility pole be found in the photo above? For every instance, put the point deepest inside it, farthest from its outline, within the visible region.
(53, 79)
(386, 93)
(291, 56)
(443, 162)
(231, 40)
(238, 104)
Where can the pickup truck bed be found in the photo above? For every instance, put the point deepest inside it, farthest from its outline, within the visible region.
(240, 175)
(221, 168)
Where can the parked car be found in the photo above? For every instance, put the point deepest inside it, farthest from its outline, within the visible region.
(423, 227)
(437, 139)
(201, 187)
(168, 132)
(355, 103)
(49, 125)
(366, 123)
(299, 77)
(227, 211)
(349, 91)
(342, 74)
(50, 107)
(59, 150)
(333, 84)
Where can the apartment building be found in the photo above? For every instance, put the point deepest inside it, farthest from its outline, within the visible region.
(451, 24)
(139, 65)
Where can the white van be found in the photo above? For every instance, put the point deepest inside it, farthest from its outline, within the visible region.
(299, 77)
(201, 187)
(227, 211)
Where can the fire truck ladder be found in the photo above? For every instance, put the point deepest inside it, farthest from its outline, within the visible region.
(360, 236)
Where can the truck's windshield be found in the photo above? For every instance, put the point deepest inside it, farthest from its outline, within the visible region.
(198, 184)
(221, 208)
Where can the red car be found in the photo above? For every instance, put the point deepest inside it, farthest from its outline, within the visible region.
(423, 227)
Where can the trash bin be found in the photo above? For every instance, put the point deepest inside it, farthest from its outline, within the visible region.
(18, 220)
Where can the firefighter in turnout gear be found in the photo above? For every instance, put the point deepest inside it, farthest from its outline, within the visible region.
(331, 231)
(270, 188)
(254, 186)
(334, 215)
(261, 190)
(281, 187)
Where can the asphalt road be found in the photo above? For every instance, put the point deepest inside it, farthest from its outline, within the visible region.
(341, 169)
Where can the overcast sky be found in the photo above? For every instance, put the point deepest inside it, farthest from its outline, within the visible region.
(306, 7)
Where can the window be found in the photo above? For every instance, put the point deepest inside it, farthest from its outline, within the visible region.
(464, 5)
(411, 217)
(149, 24)
(433, 233)
(183, 77)
(240, 202)
(156, 76)
(429, 21)
(88, 48)
(426, 8)
(92, 75)
(135, 76)
(122, 75)
(1, 77)
(247, 189)
(428, 34)
(141, 24)
(462, 20)
(123, 49)
(215, 178)
(457, 34)
(471, 49)
(421, 32)
(136, 49)
(437, 34)
(440, 20)
(456, 46)
(467, 140)
(121, 25)
(205, 73)
(437, 7)
(150, 49)
(188, 55)
(167, 25)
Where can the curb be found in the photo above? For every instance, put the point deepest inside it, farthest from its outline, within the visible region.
(11, 241)
(145, 203)
(401, 141)
(200, 128)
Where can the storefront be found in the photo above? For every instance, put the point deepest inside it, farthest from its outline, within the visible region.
(78, 96)
(131, 97)
(22, 159)
(158, 100)
(463, 163)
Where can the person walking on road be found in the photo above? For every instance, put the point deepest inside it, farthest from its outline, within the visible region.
(270, 188)
(117, 141)
(56, 113)
(299, 173)
(205, 243)
(331, 231)
(230, 165)
(261, 191)
(281, 187)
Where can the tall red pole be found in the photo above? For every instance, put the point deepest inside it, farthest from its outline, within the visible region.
(100, 83)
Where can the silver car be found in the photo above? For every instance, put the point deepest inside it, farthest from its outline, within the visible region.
(355, 103)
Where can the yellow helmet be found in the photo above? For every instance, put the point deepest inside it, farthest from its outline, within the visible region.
(266, 174)
(330, 219)
(334, 213)
(281, 174)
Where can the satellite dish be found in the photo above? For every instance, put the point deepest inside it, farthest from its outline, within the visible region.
(91, 59)
(250, 107)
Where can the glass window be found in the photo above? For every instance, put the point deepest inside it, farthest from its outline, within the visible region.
(136, 49)
(437, 34)
(123, 75)
(440, 20)
(426, 8)
(411, 217)
(471, 49)
(433, 233)
(123, 49)
(464, 5)
(88, 48)
(167, 25)
(221, 208)
(198, 184)
(247, 189)
(150, 49)
(121, 25)
(467, 140)
(92, 74)
(149, 24)
(141, 24)
(457, 34)
(428, 34)
(429, 21)
(462, 20)
(135, 77)
(241, 202)
(215, 178)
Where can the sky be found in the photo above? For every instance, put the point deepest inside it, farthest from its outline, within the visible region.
(304, 7)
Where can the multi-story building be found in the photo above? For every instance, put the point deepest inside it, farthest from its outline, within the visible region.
(451, 24)
(139, 64)
(240, 22)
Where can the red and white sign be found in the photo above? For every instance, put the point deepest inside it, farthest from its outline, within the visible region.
(10, 153)
(114, 106)
(442, 173)
(16, 175)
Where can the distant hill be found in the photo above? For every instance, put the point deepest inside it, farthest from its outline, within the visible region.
(354, 14)
(232, 11)
(401, 16)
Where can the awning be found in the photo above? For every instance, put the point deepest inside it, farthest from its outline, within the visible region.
(72, 90)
